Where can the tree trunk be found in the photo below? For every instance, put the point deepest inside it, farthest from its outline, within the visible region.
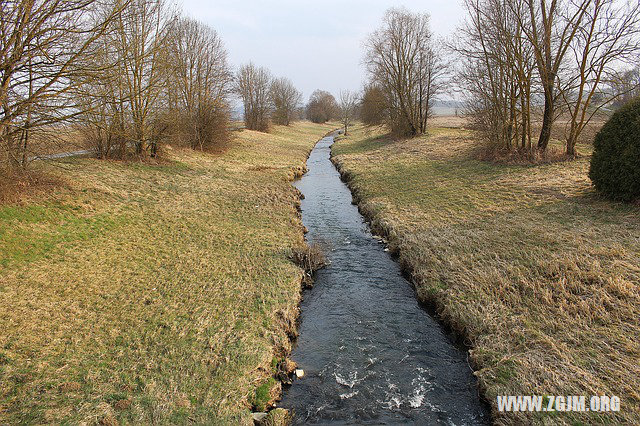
(547, 122)
(571, 148)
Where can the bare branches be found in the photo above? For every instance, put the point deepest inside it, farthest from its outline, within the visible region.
(373, 105)
(253, 85)
(119, 69)
(347, 106)
(563, 54)
(42, 44)
(199, 83)
(322, 107)
(285, 99)
(404, 63)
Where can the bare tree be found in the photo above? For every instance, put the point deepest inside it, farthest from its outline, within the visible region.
(566, 51)
(609, 36)
(200, 81)
(285, 99)
(140, 36)
(42, 43)
(322, 107)
(625, 86)
(348, 107)
(252, 85)
(496, 73)
(403, 61)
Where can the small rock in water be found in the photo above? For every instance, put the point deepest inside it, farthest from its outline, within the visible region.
(299, 372)
(386, 249)
(258, 417)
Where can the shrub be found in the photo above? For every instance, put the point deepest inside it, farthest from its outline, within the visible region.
(615, 163)
(308, 257)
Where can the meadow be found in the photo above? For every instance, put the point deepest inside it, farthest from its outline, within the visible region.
(140, 292)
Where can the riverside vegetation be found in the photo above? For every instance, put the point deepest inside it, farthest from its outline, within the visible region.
(534, 270)
(153, 293)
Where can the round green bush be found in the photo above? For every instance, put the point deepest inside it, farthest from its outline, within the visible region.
(615, 163)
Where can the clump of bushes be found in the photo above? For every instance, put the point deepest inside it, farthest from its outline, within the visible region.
(615, 164)
(308, 257)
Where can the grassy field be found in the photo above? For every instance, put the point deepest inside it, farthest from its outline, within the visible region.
(140, 293)
(539, 275)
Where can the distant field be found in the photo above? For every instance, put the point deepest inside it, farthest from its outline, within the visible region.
(539, 275)
(140, 293)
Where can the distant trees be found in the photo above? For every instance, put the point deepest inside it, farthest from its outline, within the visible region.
(285, 99)
(566, 52)
(626, 86)
(322, 107)
(253, 85)
(405, 65)
(348, 108)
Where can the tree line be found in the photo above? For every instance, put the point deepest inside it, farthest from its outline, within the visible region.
(519, 65)
(128, 75)
(525, 63)
(124, 77)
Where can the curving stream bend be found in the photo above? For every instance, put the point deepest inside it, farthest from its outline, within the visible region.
(370, 353)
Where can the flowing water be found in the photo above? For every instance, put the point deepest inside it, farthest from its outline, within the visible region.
(370, 353)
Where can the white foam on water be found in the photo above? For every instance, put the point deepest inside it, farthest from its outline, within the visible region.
(393, 403)
(349, 395)
(415, 400)
(351, 381)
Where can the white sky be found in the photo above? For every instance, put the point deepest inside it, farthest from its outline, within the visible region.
(317, 44)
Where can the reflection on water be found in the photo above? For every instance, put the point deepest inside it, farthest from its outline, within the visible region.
(370, 353)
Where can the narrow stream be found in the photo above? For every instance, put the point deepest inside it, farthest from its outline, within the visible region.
(370, 353)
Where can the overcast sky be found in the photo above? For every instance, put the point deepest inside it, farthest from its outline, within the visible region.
(317, 44)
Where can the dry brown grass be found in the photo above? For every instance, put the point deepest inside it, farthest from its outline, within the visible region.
(20, 186)
(152, 293)
(539, 275)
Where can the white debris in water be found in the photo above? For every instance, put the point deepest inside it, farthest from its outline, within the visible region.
(299, 372)
(349, 395)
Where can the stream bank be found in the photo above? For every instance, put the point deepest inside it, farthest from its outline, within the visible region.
(370, 352)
